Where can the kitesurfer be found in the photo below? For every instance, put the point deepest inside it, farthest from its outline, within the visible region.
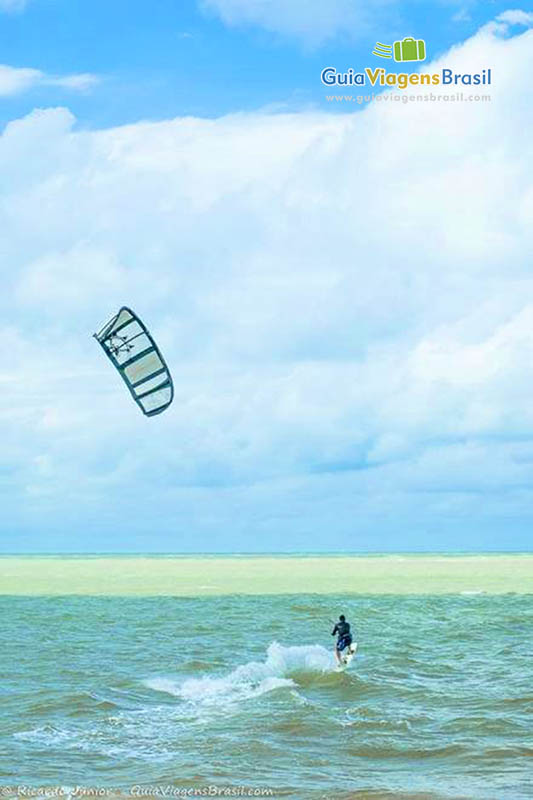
(344, 637)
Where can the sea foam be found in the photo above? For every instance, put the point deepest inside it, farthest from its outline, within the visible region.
(251, 679)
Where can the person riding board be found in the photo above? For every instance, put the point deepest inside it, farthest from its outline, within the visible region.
(344, 637)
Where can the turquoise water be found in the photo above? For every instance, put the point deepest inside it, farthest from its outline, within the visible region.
(241, 691)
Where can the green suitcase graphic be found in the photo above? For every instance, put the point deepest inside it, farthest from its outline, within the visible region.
(410, 49)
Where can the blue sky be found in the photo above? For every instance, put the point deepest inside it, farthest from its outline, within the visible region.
(344, 297)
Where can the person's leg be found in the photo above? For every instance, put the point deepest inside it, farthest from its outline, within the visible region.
(337, 654)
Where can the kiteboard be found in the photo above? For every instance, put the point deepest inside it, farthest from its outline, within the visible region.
(347, 657)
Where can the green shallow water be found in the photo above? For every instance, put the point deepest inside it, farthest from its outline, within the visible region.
(240, 691)
(217, 575)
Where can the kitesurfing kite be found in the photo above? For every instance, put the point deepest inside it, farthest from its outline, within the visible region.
(130, 347)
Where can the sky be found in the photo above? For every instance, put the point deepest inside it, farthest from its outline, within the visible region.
(343, 291)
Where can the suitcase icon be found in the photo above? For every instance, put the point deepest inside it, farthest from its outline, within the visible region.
(410, 49)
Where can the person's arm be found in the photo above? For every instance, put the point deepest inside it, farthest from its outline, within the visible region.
(334, 631)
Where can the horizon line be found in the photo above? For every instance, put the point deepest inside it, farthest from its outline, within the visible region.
(253, 553)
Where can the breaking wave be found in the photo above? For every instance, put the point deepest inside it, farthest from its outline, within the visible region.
(252, 679)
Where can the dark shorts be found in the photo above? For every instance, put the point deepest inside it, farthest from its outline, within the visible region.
(343, 642)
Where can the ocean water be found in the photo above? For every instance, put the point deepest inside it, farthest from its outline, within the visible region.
(241, 691)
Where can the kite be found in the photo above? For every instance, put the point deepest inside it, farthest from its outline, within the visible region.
(131, 349)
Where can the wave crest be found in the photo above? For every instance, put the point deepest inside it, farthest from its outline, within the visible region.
(252, 679)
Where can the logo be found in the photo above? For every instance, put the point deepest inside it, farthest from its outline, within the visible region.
(404, 50)
(382, 50)
(407, 49)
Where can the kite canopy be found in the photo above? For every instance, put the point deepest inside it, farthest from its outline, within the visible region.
(131, 348)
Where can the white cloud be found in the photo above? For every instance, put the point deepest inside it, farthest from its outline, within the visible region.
(344, 300)
(463, 15)
(16, 80)
(516, 17)
(315, 22)
(79, 83)
(312, 20)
